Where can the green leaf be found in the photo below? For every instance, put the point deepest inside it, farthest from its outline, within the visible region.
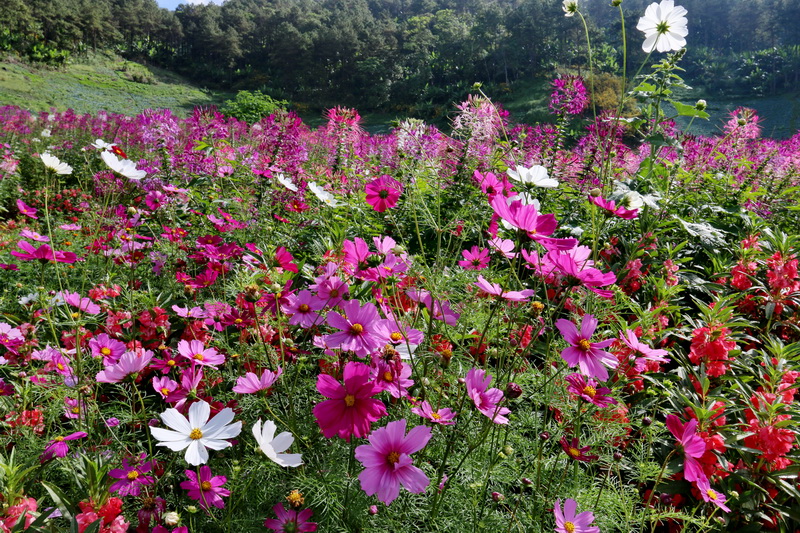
(688, 110)
(64, 503)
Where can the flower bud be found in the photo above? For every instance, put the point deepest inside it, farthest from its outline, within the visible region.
(373, 509)
(544, 435)
(527, 482)
(191, 509)
(616, 3)
(595, 192)
(617, 456)
(701, 105)
(513, 390)
(646, 421)
(496, 496)
(172, 518)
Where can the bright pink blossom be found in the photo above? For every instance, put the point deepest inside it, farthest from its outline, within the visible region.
(387, 461)
(383, 193)
(569, 522)
(207, 490)
(199, 354)
(486, 400)
(586, 355)
(693, 447)
(357, 328)
(251, 383)
(290, 521)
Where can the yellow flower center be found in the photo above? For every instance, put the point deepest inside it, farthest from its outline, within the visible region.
(574, 452)
(58, 439)
(198, 356)
(388, 376)
(76, 410)
(569, 527)
(357, 329)
(164, 391)
(132, 475)
(60, 366)
(584, 345)
(303, 308)
(712, 494)
(75, 314)
(349, 400)
(196, 434)
(393, 458)
(205, 485)
(589, 391)
(295, 498)
(396, 336)
(436, 416)
(171, 362)
(238, 321)
(105, 350)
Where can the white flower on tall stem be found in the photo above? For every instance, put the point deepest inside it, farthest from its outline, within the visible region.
(198, 432)
(324, 196)
(125, 167)
(286, 182)
(273, 446)
(570, 7)
(664, 26)
(536, 176)
(55, 164)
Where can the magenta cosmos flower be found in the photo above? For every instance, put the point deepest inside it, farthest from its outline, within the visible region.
(583, 353)
(387, 461)
(710, 495)
(574, 451)
(486, 400)
(443, 417)
(207, 490)
(303, 308)
(351, 409)
(26, 210)
(43, 253)
(58, 447)
(357, 328)
(250, 382)
(612, 208)
(693, 447)
(569, 522)
(290, 521)
(589, 390)
(132, 476)
(647, 353)
(496, 290)
(475, 258)
(383, 193)
(199, 354)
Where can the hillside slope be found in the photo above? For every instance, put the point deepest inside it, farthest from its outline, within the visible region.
(99, 82)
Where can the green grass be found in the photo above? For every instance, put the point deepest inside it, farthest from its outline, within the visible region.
(100, 82)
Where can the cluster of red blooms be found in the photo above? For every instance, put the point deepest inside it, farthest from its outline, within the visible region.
(109, 512)
(711, 346)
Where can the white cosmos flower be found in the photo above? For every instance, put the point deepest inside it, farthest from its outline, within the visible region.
(55, 164)
(286, 182)
(536, 175)
(324, 196)
(198, 432)
(570, 7)
(273, 446)
(100, 144)
(664, 27)
(126, 167)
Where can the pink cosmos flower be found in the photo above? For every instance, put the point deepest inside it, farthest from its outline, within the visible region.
(387, 461)
(587, 355)
(251, 383)
(495, 289)
(443, 417)
(504, 247)
(569, 522)
(710, 495)
(43, 253)
(199, 354)
(693, 447)
(611, 207)
(84, 304)
(393, 376)
(132, 476)
(164, 386)
(356, 325)
(574, 451)
(383, 193)
(475, 258)
(647, 353)
(26, 210)
(573, 266)
(589, 390)
(290, 521)
(205, 489)
(58, 447)
(524, 217)
(109, 349)
(129, 363)
(302, 307)
(32, 235)
(351, 410)
(486, 400)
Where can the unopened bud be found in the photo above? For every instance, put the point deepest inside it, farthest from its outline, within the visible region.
(172, 518)
(513, 390)
(646, 421)
(496, 496)
(701, 105)
(595, 192)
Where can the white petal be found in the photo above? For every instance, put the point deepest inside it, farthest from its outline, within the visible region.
(215, 444)
(174, 419)
(198, 414)
(289, 459)
(282, 442)
(196, 453)
(216, 424)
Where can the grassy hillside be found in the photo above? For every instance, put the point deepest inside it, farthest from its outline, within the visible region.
(99, 82)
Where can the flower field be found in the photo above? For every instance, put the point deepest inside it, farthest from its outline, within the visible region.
(209, 325)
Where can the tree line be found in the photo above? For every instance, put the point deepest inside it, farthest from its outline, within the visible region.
(392, 54)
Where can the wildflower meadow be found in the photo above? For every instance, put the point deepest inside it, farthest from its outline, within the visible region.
(591, 325)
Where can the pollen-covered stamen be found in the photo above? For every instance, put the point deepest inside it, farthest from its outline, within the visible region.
(584, 345)
(196, 434)
(436, 416)
(569, 527)
(165, 391)
(303, 308)
(356, 329)
(393, 458)
(574, 452)
(198, 357)
(105, 350)
(133, 475)
(589, 391)
(396, 336)
(712, 494)
(349, 400)
(205, 485)
(387, 376)
(59, 439)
